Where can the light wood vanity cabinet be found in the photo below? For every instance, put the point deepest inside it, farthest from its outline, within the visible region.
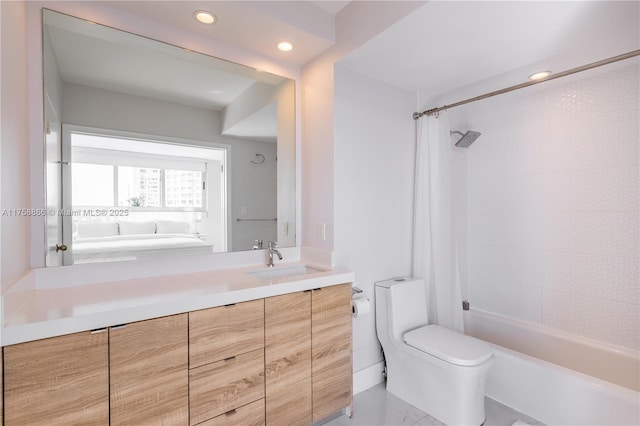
(148, 372)
(225, 386)
(226, 361)
(308, 355)
(62, 380)
(225, 331)
(247, 415)
(284, 360)
(288, 359)
(124, 375)
(331, 355)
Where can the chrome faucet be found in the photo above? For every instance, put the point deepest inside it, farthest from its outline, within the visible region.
(272, 250)
(258, 245)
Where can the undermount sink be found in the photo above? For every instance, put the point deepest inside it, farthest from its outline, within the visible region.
(284, 271)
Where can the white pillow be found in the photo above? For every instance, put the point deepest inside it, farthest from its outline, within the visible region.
(171, 227)
(131, 228)
(97, 229)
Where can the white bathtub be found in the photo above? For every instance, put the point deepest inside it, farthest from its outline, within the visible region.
(557, 378)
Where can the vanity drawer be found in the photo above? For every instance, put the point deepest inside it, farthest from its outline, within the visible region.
(225, 331)
(225, 385)
(248, 415)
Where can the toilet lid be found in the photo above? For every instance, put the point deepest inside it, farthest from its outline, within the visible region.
(448, 345)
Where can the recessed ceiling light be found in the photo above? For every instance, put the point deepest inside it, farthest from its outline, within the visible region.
(539, 75)
(285, 46)
(204, 16)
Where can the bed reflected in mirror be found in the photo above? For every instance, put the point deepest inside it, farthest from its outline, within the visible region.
(136, 198)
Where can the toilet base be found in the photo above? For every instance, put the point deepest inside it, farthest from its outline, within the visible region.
(451, 393)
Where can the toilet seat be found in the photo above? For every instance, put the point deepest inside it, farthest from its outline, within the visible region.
(448, 345)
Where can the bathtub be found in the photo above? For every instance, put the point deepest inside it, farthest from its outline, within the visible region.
(555, 377)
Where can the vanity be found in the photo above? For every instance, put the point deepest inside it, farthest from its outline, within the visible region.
(249, 346)
(183, 332)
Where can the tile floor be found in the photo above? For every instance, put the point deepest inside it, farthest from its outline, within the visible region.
(377, 407)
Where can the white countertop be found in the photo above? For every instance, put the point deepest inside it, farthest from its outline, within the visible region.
(38, 314)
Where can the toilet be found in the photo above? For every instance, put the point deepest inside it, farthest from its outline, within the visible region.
(437, 370)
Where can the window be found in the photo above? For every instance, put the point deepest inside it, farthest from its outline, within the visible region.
(183, 188)
(139, 187)
(93, 184)
(180, 186)
(144, 175)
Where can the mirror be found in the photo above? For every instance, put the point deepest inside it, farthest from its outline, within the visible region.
(156, 150)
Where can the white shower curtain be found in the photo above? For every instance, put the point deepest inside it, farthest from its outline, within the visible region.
(435, 257)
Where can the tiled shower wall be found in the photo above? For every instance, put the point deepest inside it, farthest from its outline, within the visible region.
(552, 204)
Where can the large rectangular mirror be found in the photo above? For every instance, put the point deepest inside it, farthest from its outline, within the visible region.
(156, 150)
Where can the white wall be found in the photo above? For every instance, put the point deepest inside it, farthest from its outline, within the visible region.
(253, 187)
(14, 142)
(362, 195)
(552, 204)
(358, 22)
(374, 140)
(256, 97)
(317, 154)
(93, 107)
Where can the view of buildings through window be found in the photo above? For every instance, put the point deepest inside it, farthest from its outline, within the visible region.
(139, 187)
(93, 185)
(183, 188)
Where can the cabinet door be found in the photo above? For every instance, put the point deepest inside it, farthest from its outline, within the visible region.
(288, 359)
(58, 381)
(225, 331)
(331, 350)
(149, 374)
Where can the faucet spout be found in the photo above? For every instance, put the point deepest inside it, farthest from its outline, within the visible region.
(272, 251)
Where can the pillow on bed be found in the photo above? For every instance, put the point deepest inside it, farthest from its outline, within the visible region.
(171, 227)
(131, 228)
(97, 229)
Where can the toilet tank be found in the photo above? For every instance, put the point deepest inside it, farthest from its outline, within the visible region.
(406, 304)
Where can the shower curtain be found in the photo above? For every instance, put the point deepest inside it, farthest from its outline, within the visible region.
(435, 256)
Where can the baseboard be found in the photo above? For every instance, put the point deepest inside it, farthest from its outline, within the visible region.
(368, 377)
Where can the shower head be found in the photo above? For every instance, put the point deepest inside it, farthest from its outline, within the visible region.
(466, 139)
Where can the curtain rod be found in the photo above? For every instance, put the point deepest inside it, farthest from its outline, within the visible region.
(417, 115)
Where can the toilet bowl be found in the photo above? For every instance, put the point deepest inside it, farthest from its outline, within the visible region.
(437, 370)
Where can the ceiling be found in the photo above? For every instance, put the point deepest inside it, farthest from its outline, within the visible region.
(97, 56)
(441, 47)
(333, 6)
(255, 26)
(446, 45)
